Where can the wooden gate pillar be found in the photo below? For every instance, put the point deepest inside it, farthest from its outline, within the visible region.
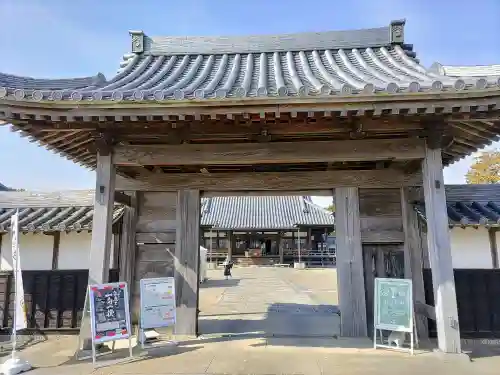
(128, 243)
(413, 260)
(438, 240)
(100, 248)
(230, 242)
(350, 275)
(187, 262)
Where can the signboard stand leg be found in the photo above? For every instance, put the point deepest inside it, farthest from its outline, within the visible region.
(82, 352)
(411, 342)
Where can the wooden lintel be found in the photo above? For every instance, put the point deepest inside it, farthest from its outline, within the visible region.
(315, 193)
(269, 181)
(271, 152)
(123, 198)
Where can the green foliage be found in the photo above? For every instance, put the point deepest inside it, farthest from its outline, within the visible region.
(331, 208)
(485, 169)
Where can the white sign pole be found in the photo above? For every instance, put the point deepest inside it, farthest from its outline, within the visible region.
(15, 365)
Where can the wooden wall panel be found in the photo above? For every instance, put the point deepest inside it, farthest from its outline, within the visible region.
(155, 239)
(380, 216)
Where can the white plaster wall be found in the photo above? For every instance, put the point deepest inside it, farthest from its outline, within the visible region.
(470, 248)
(36, 251)
(74, 251)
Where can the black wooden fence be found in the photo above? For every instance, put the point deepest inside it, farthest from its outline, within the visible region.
(478, 300)
(54, 299)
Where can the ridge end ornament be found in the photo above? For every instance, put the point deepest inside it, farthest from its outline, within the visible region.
(397, 31)
(137, 41)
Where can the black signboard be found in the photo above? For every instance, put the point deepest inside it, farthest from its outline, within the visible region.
(109, 312)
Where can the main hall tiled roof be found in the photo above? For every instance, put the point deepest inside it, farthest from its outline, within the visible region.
(263, 212)
(366, 61)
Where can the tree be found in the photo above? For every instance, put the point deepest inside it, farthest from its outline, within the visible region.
(331, 208)
(485, 169)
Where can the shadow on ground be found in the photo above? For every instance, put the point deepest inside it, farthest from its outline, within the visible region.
(287, 324)
(219, 283)
(120, 357)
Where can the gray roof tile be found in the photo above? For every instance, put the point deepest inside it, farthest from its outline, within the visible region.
(263, 212)
(62, 211)
(490, 72)
(470, 205)
(367, 61)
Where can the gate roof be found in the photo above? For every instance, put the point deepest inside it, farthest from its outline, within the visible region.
(352, 79)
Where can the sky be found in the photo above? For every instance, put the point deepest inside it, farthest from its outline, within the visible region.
(61, 38)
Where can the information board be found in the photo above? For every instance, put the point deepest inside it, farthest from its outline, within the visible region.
(393, 305)
(157, 302)
(109, 312)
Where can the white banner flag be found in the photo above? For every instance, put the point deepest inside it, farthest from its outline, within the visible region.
(20, 308)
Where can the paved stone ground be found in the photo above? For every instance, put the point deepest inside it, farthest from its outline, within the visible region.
(280, 302)
(268, 302)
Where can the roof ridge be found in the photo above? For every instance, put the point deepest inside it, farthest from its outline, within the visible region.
(259, 43)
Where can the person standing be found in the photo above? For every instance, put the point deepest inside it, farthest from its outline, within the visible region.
(228, 264)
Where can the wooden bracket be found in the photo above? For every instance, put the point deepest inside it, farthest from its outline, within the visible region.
(436, 135)
(123, 198)
(103, 144)
(357, 132)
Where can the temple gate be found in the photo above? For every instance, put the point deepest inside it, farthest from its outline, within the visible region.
(348, 112)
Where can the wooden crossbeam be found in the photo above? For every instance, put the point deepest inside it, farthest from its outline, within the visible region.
(280, 181)
(270, 152)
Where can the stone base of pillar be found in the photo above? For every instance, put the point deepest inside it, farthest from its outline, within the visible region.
(459, 356)
(299, 265)
(211, 265)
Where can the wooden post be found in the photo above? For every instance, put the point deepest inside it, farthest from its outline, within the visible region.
(100, 248)
(102, 223)
(380, 262)
(438, 239)
(127, 243)
(55, 250)
(230, 244)
(413, 260)
(350, 264)
(492, 234)
(279, 244)
(187, 262)
(369, 284)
